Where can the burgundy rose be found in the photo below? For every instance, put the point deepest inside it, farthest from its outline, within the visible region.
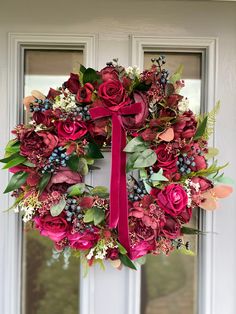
(109, 73)
(98, 128)
(42, 118)
(71, 130)
(73, 83)
(173, 100)
(185, 126)
(136, 121)
(53, 93)
(149, 135)
(55, 228)
(165, 160)
(172, 228)
(84, 94)
(37, 144)
(112, 94)
(83, 241)
(199, 163)
(172, 199)
(140, 249)
(186, 215)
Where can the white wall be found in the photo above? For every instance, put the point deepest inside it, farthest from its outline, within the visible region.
(114, 21)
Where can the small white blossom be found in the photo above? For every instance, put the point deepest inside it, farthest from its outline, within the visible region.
(183, 105)
(90, 254)
(133, 72)
(65, 101)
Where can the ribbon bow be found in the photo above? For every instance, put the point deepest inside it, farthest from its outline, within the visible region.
(118, 190)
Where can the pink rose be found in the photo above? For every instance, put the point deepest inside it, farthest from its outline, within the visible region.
(73, 83)
(172, 199)
(109, 73)
(185, 126)
(165, 160)
(140, 249)
(204, 183)
(71, 130)
(55, 228)
(84, 94)
(136, 121)
(83, 241)
(172, 228)
(113, 94)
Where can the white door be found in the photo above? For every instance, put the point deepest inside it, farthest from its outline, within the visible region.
(199, 33)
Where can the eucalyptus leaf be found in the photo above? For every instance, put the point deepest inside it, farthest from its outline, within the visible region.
(56, 209)
(148, 188)
(83, 167)
(127, 261)
(100, 190)
(143, 174)
(141, 260)
(225, 180)
(76, 189)
(17, 180)
(44, 181)
(146, 159)
(158, 176)
(89, 215)
(73, 163)
(99, 215)
(137, 144)
(131, 160)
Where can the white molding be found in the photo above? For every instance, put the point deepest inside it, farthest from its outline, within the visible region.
(17, 42)
(208, 46)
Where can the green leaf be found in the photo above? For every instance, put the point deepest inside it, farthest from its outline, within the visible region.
(225, 180)
(83, 167)
(130, 161)
(121, 248)
(101, 191)
(88, 217)
(99, 215)
(93, 151)
(9, 158)
(188, 230)
(14, 162)
(27, 163)
(142, 87)
(73, 163)
(76, 190)
(13, 146)
(156, 177)
(17, 180)
(177, 75)
(146, 159)
(90, 76)
(55, 210)
(143, 174)
(212, 152)
(137, 144)
(184, 251)
(201, 129)
(127, 261)
(148, 188)
(44, 181)
(82, 68)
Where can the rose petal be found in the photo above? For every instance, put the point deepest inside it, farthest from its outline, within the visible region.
(167, 135)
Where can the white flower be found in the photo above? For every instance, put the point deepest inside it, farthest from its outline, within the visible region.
(65, 101)
(133, 72)
(90, 254)
(183, 105)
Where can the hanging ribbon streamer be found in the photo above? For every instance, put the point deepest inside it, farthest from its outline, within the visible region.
(118, 190)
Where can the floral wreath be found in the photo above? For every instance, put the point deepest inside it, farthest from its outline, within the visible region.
(144, 118)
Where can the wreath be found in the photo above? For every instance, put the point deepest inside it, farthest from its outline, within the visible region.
(154, 138)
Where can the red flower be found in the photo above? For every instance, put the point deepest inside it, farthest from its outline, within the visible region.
(37, 144)
(55, 228)
(112, 254)
(109, 73)
(172, 199)
(141, 248)
(83, 241)
(204, 183)
(73, 83)
(65, 177)
(200, 163)
(186, 215)
(165, 160)
(84, 94)
(71, 130)
(173, 100)
(53, 93)
(172, 228)
(185, 126)
(112, 94)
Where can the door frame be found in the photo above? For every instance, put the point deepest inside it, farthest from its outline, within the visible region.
(208, 47)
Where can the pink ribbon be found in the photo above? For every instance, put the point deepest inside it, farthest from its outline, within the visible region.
(118, 190)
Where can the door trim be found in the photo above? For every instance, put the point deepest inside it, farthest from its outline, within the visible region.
(17, 42)
(208, 47)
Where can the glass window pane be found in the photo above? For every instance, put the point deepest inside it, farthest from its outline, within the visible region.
(169, 283)
(48, 289)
